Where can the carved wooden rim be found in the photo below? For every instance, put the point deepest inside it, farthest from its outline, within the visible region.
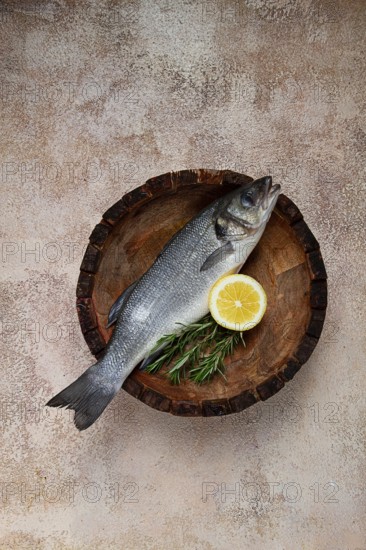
(170, 182)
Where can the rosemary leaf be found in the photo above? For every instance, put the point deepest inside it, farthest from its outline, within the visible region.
(197, 351)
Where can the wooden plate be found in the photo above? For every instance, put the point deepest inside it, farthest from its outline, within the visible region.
(287, 262)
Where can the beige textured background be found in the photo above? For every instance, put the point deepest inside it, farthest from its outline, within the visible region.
(96, 98)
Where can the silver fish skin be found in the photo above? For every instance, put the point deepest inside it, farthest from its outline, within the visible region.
(174, 290)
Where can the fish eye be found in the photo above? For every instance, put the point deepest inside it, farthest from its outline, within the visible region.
(246, 200)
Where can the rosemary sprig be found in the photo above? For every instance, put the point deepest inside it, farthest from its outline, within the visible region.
(197, 351)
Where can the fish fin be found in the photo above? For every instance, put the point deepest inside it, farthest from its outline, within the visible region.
(218, 255)
(87, 396)
(116, 307)
(151, 358)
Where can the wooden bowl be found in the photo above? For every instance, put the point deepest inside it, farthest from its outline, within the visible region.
(287, 262)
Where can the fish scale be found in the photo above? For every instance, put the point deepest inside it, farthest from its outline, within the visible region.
(173, 291)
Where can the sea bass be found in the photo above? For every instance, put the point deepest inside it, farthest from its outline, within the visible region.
(173, 291)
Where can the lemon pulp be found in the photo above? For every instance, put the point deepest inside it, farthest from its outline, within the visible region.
(237, 302)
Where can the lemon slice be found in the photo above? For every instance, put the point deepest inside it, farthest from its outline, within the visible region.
(237, 302)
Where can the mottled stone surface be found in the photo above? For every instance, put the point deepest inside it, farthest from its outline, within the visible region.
(96, 98)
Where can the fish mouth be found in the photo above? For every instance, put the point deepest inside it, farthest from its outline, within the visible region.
(274, 189)
(271, 193)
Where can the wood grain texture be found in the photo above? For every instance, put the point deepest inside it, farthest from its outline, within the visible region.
(287, 262)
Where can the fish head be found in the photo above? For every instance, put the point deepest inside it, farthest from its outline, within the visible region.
(248, 209)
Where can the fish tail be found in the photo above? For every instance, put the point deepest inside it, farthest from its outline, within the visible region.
(88, 396)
